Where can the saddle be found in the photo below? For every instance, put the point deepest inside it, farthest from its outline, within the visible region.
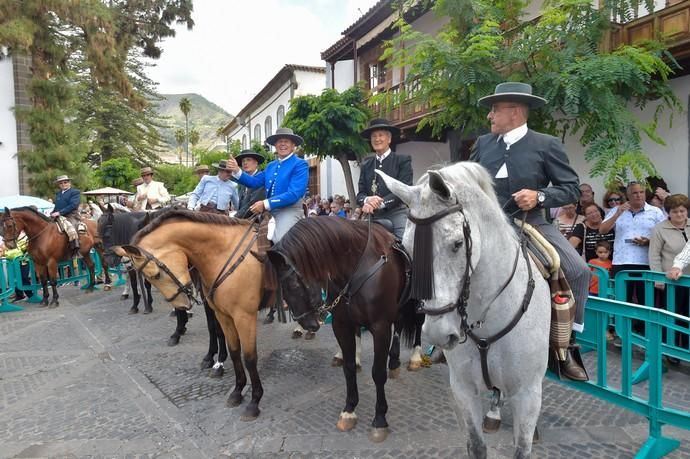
(64, 226)
(548, 262)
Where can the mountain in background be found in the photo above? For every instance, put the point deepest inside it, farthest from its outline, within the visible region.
(205, 116)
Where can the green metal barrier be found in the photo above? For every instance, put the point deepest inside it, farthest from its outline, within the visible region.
(7, 286)
(597, 319)
(669, 347)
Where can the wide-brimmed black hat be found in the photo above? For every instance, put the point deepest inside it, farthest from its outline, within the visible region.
(249, 154)
(222, 165)
(380, 124)
(284, 133)
(513, 92)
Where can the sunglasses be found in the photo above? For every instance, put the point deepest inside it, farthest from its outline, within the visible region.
(614, 200)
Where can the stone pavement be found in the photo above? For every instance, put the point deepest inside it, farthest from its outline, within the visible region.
(87, 380)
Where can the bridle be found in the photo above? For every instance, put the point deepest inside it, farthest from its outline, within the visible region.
(483, 344)
(187, 288)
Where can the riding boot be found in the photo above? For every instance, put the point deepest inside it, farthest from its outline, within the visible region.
(570, 362)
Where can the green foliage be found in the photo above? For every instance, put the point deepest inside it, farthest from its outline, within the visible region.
(563, 54)
(178, 179)
(117, 173)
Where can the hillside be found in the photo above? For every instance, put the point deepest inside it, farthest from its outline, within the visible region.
(206, 117)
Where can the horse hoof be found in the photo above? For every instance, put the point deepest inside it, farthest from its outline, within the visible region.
(124, 297)
(250, 413)
(216, 372)
(394, 373)
(268, 320)
(133, 310)
(337, 362)
(490, 425)
(107, 287)
(309, 335)
(414, 365)
(346, 422)
(206, 364)
(148, 310)
(234, 399)
(173, 340)
(378, 434)
(296, 334)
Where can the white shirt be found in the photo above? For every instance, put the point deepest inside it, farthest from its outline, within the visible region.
(629, 226)
(683, 258)
(510, 138)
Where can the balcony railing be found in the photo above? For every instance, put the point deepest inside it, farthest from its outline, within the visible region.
(399, 105)
(671, 23)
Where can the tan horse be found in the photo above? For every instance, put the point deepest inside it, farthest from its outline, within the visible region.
(215, 245)
(47, 246)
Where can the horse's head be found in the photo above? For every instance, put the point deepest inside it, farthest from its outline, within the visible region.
(105, 231)
(8, 229)
(302, 299)
(166, 269)
(443, 223)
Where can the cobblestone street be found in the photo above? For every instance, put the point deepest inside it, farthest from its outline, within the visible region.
(88, 380)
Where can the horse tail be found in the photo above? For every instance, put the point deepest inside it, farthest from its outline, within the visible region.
(407, 322)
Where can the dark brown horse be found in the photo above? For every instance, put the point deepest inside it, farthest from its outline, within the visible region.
(220, 248)
(365, 279)
(48, 246)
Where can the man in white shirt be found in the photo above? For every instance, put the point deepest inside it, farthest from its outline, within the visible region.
(151, 195)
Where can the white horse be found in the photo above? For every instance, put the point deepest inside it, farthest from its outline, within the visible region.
(478, 294)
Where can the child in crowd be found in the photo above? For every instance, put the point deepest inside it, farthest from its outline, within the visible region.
(603, 260)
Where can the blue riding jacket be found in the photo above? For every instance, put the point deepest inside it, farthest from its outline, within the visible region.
(285, 181)
(67, 202)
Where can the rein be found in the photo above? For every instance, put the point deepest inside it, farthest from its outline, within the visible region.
(29, 238)
(187, 289)
(483, 344)
(223, 274)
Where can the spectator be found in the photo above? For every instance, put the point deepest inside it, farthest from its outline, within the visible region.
(356, 214)
(612, 199)
(668, 240)
(151, 195)
(586, 235)
(633, 222)
(567, 219)
(324, 208)
(348, 209)
(587, 198)
(603, 260)
(656, 192)
(336, 210)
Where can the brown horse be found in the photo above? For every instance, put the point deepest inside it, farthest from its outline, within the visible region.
(221, 249)
(48, 246)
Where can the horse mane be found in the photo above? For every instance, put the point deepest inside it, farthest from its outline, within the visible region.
(33, 211)
(175, 214)
(330, 246)
(471, 181)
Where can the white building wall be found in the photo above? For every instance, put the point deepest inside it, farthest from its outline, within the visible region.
(425, 155)
(309, 83)
(332, 178)
(9, 174)
(344, 75)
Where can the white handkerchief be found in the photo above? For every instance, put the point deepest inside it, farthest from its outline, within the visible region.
(502, 172)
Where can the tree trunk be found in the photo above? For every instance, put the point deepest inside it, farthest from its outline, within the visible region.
(342, 158)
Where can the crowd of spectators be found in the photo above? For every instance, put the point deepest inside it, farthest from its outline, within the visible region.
(334, 206)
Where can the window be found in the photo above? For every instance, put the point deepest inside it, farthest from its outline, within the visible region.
(268, 126)
(257, 133)
(377, 74)
(280, 115)
(244, 141)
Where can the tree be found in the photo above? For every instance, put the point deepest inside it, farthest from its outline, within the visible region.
(194, 138)
(100, 35)
(179, 139)
(330, 125)
(185, 108)
(563, 54)
(117, 173)
(178, 179)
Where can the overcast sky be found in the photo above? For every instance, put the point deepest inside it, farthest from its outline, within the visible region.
(237, 46)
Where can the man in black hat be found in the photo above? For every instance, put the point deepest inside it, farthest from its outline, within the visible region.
(531, 171)
(249, 160)
(374, 197)
(67, 205)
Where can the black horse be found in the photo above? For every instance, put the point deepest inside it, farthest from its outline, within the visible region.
(118, 229)
(365, 277)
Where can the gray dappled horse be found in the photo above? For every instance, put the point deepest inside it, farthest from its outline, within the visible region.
(478, 286)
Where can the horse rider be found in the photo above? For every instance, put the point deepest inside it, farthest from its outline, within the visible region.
(67, 206)
(250, 161)
(284, 181)
(151, 195)
(201, 170)
(215, 193)
(531, 172)
(374, 197)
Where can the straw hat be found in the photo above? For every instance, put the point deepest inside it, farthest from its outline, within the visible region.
(62, 178)
(146, 171)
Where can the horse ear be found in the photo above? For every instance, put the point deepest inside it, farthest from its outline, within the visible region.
(147, 218)
(438, 185)
(405, 192)
(127, 250)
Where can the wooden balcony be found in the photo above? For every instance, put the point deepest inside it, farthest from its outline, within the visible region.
(400, 109)
(671, 23)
